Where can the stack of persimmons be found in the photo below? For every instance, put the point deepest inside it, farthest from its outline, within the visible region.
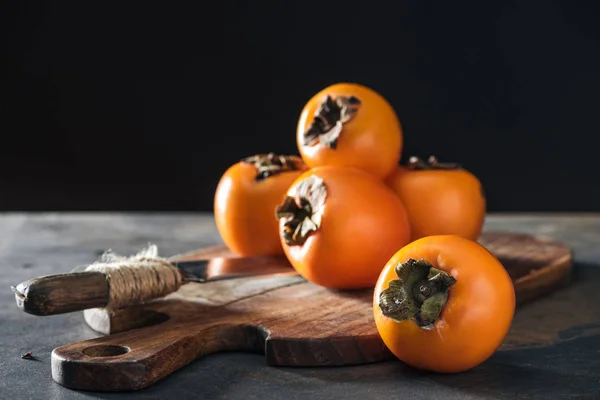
(348, 215)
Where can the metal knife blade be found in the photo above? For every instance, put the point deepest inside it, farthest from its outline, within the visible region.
(219, 268)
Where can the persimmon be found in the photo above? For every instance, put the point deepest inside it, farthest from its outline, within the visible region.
(443, 303)
(338, 226)
(440, 198)
(350, 125)
(245, 198)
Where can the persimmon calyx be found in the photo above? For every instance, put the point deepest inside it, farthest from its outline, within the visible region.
(416, 164)
(272, 164)
(329, 120)
(302, 210)
(419, 294)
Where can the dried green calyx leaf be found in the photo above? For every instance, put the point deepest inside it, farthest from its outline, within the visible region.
(419, 294)
(302, 210)
(329, 120)
(271, 164)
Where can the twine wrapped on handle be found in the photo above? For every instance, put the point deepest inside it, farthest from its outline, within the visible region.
(139, 278)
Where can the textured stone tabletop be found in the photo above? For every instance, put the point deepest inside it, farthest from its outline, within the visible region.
(39, 244)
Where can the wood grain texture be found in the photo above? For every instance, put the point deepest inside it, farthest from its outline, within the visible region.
(289, 320)
(60, 294)
(537, 265)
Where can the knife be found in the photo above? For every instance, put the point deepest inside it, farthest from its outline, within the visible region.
(77, 291)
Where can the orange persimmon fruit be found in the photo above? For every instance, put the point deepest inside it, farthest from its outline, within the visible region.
(440, 198)
(245, 198)
(339, 225)
(350, 125)
(443, 303)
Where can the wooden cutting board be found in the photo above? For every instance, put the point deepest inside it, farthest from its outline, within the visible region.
(291, 321)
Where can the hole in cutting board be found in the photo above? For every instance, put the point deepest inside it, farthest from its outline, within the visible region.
(103, 350)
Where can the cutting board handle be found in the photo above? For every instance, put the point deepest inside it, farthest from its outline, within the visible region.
(135, 359)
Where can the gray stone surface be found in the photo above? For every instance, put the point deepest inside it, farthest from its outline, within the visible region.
(39, 244)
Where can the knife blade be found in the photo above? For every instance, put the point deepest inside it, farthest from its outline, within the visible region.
(77, 291)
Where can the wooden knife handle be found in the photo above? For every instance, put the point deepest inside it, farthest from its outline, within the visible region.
(64, 293)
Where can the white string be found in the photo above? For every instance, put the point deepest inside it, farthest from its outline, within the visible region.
(139, 278)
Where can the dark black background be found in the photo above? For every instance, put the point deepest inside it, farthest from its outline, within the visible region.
(143, 105)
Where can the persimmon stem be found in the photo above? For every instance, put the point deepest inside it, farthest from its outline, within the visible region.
(329, 119)
(302, 210)
(419, 294)
(415, 163)
(271, 164)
